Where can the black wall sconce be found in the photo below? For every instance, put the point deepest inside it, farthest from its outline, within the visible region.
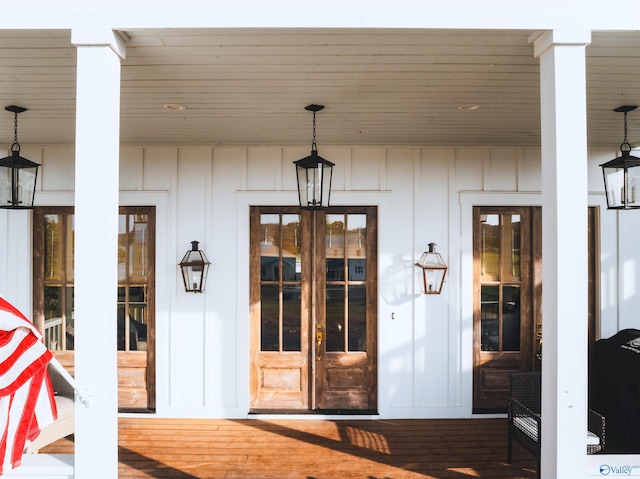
(194, 267)
(314, 174)
(622, 174)
(434, 270)
(18, 175)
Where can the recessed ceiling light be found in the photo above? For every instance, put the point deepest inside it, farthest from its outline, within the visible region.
(469, 107)
(174, 107)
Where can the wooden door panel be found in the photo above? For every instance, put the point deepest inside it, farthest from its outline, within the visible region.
(282, 383)
(132, 380)
(345, 382)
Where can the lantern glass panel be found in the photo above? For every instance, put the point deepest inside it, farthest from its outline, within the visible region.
(307, 180)
(5, 186)
(26, 186)
(633, 185)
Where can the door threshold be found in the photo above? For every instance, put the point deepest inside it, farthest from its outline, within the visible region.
(313, 414)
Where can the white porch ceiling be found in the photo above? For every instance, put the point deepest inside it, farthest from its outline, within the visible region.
(380, 87)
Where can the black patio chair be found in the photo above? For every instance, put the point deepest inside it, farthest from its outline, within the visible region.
(525, 422)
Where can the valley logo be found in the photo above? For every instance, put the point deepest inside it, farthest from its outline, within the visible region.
(626, 470)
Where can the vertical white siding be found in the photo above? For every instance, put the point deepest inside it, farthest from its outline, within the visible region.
(424, 341)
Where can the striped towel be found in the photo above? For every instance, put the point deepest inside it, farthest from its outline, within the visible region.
(27, 403)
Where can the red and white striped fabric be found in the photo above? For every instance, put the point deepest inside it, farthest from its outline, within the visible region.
(27, 403)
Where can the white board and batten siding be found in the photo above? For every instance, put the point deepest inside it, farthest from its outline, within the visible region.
(423, 195)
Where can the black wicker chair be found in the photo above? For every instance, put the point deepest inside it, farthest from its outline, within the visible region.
(524, 417)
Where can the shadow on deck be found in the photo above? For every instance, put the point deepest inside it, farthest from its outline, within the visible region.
(315, 449)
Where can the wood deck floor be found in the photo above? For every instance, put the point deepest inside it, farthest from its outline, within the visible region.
(315, 449)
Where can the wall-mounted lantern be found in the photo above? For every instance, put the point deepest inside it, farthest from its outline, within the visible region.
(194, 266)
(622, 174)
(434, 270)
(17, 174)
(314, 174)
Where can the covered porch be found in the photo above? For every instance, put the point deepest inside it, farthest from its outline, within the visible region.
(307, 448)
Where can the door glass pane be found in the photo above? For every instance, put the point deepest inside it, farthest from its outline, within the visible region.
(335, 254)
(138, 315)
(357, 318)
(269, 248)
(489, 318)
(511, 254)
(335, 329)
(489, 245)
(291, 248)
(122, 249)
(53, 318)
(138, 240)
(291, 319)
(356, 246)
(68, 318)
(53, 247)
(291, 269)
(511, 318)
(69, 247)
(280, 269)
(269, 325)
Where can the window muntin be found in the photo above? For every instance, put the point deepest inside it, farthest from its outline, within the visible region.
(500, 282)
(345, 252)
(280, 282)
(58, 280)
(133, 271)
(53, 276)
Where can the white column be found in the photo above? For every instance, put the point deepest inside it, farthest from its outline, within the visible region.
(96, 240)
(564, 252)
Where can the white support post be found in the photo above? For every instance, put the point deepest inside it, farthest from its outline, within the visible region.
(96, 241)
(564, 251)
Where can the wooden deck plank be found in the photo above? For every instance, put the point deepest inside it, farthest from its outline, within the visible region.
(315, 449)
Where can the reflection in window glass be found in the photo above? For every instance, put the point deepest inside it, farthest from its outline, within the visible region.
(291, 318)
(346, 282)
(58, 278)
(335, 253)
(133, 244)
(357, 318)
(269, 318)
(270, 248)
(489, 318)
(335, 318)
(511, 318)
(490, 244)
(356, 246)
(514, 223)
(280, 275)
(291, 248)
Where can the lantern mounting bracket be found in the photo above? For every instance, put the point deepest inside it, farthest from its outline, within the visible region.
(15, 109)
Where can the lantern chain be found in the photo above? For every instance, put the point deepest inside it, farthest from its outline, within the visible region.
(314, 144)
(625, 142)
(15, 146)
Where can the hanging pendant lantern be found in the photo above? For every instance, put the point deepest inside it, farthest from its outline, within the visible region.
(622, 174)
(18, 175)
(314, 174)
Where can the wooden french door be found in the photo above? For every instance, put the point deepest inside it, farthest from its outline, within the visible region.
(507, 292)
(53, 296)
(507, 325)
(313, 309)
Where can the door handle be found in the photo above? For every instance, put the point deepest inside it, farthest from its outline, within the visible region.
(319, 336)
